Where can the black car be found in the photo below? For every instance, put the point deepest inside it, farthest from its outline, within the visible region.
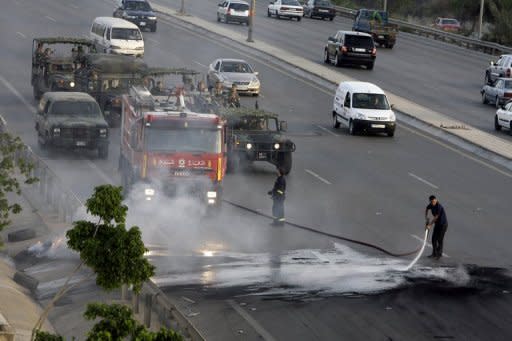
(319, 9)
(138, 12)
(352, 48)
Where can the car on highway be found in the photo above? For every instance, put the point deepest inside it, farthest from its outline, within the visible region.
(233, 11)
(285, 9)
(447, 25)
(117, 36)
(349, 47)
(234, 71)
(363, 107)
(138, 12)
(503, 118)
(498, 93)
(500, 68)
(71, 120)
(319, 9)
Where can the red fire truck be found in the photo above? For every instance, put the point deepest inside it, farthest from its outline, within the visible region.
(169, 149)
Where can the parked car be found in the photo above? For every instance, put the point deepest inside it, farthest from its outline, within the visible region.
(233, 11)
(447, 24)
(498, 93)
(71, 120)
(501, 68)
(349, 47)
(234, 71)
(363, 106)
(503, 118)
(319, 8)
(138, 12)
(285, 8)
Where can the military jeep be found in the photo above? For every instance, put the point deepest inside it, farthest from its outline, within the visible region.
(107, 77)
(54, 61)
(256, 135)
(71, 120)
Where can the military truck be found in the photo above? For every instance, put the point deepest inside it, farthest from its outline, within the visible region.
(256, 135)
(107, 77)
(377, 24)
(54, 61)
(71, 120)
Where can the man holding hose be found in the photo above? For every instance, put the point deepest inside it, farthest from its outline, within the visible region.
(440, 223)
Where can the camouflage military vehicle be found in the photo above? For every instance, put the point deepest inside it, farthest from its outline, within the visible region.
(256, 135)
(107, 77)
(54, 61)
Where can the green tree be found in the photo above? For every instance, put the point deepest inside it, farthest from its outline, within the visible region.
(12, 169)
(500, 12)
(115, 254)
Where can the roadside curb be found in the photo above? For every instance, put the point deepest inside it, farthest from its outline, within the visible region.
(500, 149)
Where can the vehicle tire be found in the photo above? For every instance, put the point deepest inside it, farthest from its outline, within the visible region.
(337, 61)
(510, 129)
(497, 102)
(370, 66)
(284, 160)
(390, 46)
(103, 152)
(153, 28)
(390, 133)
(484, 98)
(326, 56)
(331, 18)
(298, 18)
(218, 17)
(335, 122)
(268, 13)
(351, 128)
(497, 126)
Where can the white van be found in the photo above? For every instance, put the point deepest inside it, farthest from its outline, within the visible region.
(118, 36)
(363, 106)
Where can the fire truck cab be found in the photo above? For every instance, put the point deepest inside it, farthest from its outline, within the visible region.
(171, 150)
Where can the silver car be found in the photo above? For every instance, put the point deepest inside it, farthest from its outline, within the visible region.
(498, 93)
(234, 71)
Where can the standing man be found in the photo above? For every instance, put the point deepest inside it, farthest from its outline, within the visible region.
(440, 223)
(278, 196)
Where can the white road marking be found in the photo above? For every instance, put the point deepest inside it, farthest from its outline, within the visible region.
(317, 176)
(50, 18)
(21, 34)
(423, 180)
(153, 40)
(326, 130)
(200, 64)
(17, 94)
(265, 335)
(428, 244)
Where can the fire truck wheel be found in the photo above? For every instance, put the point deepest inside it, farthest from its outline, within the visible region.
(285, 161)
(103, 152)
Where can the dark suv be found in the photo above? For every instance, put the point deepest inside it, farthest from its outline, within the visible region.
(138, 12)
(349, 47)
(320, 9)
(71, 120)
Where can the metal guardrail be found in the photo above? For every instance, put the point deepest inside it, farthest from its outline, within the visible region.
(53, 194)
(470, 43)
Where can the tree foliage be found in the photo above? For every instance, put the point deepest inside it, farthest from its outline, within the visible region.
(11, 169)
(114, 253)
(501, 13)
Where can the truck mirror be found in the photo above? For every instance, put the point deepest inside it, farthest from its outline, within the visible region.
(283, 126)
(392, 106)
(330, 39)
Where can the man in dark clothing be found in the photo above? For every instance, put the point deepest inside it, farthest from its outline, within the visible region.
(440, 223)
(278, 196)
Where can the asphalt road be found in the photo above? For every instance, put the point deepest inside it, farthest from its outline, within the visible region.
(437, 75)
(371, 188)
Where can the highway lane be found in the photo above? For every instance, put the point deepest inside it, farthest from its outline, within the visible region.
(370, 193)
(440, 76)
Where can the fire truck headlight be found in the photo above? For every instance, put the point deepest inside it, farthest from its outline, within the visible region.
(277, 146)
(211, 201)
(72, 84)
(211, 195)
(149, 192)
(249, 146)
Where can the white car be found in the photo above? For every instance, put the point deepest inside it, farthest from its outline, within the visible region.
(285, 8)
(233, 11)
(503, 118)
(363, 106)
(236, 72)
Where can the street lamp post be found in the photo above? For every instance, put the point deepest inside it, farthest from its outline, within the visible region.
(385, 5)
(251, 21)
(480, 20)
(182, 9)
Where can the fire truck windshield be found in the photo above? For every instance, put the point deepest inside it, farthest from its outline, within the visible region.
(183, 140)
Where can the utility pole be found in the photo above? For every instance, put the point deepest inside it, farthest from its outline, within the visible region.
(385, 5)
(480, 21)
(251, 21)
(182, 9)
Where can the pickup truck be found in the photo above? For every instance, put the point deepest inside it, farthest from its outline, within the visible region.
(376, 23)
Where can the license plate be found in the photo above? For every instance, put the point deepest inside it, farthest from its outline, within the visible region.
(142, 23)
(80, 143)
(381, 37)
(357, 49)
(378, 126)
(262, 156)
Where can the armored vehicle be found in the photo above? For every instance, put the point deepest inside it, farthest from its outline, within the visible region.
(107, 77)
(71, 120)
(54, 61)
(256, 135)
